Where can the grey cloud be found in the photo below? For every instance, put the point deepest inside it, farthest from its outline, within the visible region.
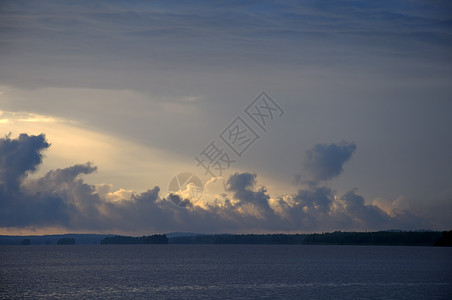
(61, 198)
(310, 209)
(318, 198)
(178, 200)
(243, 185)
(241, 182)
(235, 34)
(19, 156)
(318, 208)
(369, 215)
(325, 161)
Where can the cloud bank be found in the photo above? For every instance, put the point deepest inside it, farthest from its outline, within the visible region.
(62, 199)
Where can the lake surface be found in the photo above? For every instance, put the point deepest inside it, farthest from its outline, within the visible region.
(225, 271)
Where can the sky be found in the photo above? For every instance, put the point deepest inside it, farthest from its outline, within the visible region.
(287, 116)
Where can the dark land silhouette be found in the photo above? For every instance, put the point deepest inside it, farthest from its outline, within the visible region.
(445, 240)
(150, 239)
(395, 238)
(80, 239)
(388, 238)
(262, 239)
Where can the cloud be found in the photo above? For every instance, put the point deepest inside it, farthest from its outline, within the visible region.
(19, 156)
(113, 36)
(320, 209)
(248, 197)
(325, 161)
(61, 198)
(242, 185)
(365, 215)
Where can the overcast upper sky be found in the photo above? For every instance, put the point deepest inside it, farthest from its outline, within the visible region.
(115, 98)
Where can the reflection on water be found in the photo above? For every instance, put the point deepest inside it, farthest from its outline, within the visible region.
(225, 271)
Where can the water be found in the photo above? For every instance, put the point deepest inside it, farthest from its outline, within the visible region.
(225, 271)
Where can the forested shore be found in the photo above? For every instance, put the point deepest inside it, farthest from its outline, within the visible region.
(384, 238)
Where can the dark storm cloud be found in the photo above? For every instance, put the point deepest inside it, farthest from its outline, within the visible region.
(176, 199)
(319, 198)
(324, 162)
(367, 214)
(61, 198)
(318, 208)
(58, 198)
(243, 187)
(19, 156)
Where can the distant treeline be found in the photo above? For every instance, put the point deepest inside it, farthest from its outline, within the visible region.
(396, 238)
(445, 239)
(150, 239)
(409, 238)
(402, 238)
(269, 239)
(54, 239)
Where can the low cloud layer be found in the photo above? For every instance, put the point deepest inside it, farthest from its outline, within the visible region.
(62, 199)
